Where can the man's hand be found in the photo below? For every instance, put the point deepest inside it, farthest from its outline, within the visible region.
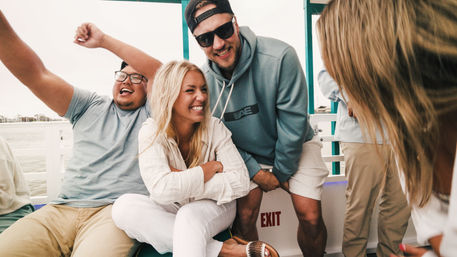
(89, 35)
(266, 180)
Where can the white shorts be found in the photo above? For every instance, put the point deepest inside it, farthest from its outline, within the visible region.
(311, 173)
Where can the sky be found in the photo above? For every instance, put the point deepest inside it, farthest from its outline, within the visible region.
(48, 27)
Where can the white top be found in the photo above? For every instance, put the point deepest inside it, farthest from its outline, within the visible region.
(448, 245)
(430, 220)
(14, 192)
(166, 187)
(436, 218)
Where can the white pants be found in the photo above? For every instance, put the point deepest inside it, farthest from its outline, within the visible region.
(186, 231)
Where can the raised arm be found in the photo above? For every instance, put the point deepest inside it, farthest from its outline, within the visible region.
(26, 66)
(88, 35)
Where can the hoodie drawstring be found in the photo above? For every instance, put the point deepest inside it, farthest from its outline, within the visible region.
(218, 99)
(226, 102)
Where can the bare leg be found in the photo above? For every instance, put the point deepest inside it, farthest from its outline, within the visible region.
(312, 233)
(247, 212)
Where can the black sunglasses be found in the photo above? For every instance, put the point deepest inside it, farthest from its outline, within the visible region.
(224, 31)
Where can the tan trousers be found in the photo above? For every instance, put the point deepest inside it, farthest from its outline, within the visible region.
(369, 176)
(59, 230)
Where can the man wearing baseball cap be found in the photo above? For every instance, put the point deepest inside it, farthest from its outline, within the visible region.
(258, 89)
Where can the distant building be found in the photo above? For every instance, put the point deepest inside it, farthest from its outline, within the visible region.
(27, 119)
(41, 117)
(20, 118)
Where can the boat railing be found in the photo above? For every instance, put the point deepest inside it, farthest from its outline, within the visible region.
(55, 141)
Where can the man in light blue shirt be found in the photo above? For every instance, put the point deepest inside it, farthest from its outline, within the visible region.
(369, 173)
(104, 163)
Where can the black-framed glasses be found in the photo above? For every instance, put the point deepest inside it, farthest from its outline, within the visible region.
(135, 78)
(224, 31)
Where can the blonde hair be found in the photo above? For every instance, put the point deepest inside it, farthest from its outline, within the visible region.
(165, 90)
(396, 61)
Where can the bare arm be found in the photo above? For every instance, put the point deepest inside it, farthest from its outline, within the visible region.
(88, 35)
(26, 66)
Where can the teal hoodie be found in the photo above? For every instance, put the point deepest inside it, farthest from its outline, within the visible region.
(267, 109)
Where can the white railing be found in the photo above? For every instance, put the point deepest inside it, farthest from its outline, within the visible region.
(54, 161)
(315, 120)
(53, 148)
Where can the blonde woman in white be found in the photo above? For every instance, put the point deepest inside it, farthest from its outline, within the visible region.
(192, 170)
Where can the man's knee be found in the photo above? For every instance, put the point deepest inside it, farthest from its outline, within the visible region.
(308, 211)
(310, 218)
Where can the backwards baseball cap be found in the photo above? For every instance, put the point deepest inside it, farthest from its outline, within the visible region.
(222, 6)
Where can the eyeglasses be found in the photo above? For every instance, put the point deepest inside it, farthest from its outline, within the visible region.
(135, 78)
(224, 31)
